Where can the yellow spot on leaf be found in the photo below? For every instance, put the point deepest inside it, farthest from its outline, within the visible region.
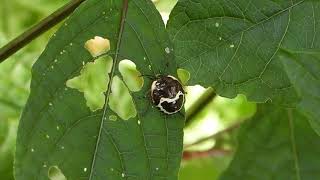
(97, 46)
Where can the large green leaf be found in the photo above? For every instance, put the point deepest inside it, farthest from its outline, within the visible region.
(237, 42)
(303, 68)
(58, 132)
(276, 144)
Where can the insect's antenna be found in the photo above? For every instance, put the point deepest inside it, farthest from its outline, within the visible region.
(148, 76)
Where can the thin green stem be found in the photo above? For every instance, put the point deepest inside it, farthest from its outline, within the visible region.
(202, 101)
(228, 129)
(35, 31)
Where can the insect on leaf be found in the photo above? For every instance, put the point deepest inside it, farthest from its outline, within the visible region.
(60, 136)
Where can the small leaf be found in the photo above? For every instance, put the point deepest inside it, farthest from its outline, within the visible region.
(237, 43)
(277, 143)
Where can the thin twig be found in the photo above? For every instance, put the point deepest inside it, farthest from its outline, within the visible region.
(188, 155)
(35, 31)
(228, 129)
(201, 102)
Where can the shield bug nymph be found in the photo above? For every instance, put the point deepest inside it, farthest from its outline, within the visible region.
(167, 94)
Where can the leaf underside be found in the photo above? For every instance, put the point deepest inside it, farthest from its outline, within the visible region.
(277, 143)
(57, 129)
(238, 43)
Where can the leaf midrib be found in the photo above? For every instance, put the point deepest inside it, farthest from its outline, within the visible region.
(293, 145)
(121, 28)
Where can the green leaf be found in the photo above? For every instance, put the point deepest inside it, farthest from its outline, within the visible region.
(276, 144)
(8, 129)
(303, 68)
(208, 168)
(59, 131)
(237, 44)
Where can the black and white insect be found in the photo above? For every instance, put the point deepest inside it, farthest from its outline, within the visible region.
(167, 94)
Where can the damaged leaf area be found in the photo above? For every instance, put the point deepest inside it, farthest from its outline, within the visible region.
(93, 82)
(97, 46)
(78, 124)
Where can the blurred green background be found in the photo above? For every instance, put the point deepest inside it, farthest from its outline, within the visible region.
(206, 154)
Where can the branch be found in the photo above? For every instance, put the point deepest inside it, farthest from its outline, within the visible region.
(201, 102)
(228, 129)
(188, 155)
(35, 31)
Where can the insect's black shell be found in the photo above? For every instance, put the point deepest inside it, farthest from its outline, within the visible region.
(167, 87)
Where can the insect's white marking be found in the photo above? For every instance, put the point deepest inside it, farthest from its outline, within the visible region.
(217, 24)
(139, 122)
(169, 100)
(220, 38)
(153, 86)
(85, 169)
(172, 77)
(50, 104)
(32, 150)
(123, 175)
(232, 46)
(71, 44)
(47, 136)
(56, 60)
(58, 128)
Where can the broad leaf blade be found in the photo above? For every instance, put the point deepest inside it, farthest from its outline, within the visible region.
(237, 43)
(276, 144)
(303, 68)
(57, 129)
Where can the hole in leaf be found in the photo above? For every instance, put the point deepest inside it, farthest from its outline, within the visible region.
(131, 76)
(97, 46)
(183, 76)
(54, 173)
(93, 82)
(120, 100)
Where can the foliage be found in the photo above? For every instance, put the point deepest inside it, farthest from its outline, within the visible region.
(268, 51)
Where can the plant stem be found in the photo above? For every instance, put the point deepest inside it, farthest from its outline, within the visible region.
(228, 129)
(35, 31)
(201, 102)
(189, 155)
